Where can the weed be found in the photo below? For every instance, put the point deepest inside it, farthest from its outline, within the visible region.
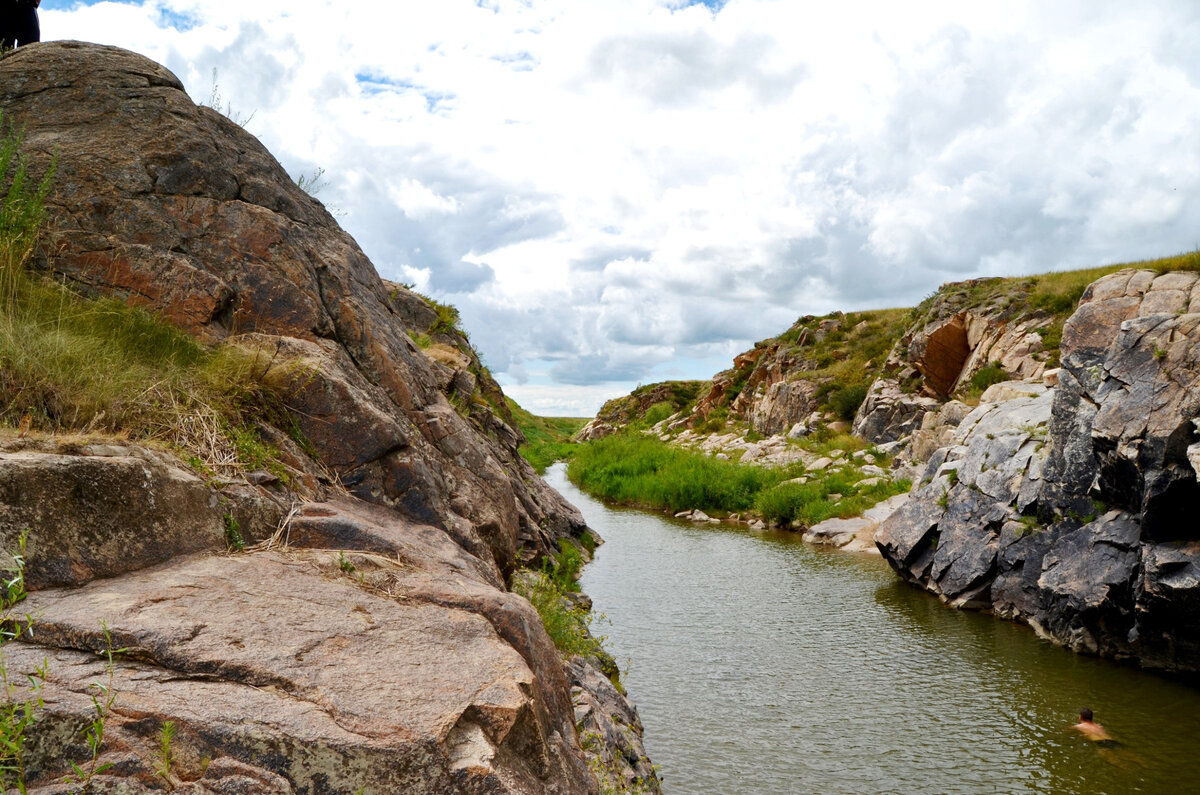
(162, 767)
(346, 566)
(233, 534)
(103, 698)
(214, 102)
(846, 400)
(17, 715)
(563, 568)
(986, 376)
(312, 185)
(567, 626)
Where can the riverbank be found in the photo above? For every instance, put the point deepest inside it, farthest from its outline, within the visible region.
(762, 665)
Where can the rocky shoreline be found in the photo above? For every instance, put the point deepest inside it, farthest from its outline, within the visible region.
(1071, 508)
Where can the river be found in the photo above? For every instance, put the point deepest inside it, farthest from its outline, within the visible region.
(761, 665)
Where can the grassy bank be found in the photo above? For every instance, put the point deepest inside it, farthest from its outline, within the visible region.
(547, 439)
(75, 364)
(645, 472)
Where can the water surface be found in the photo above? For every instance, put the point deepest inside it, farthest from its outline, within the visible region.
(764, 665)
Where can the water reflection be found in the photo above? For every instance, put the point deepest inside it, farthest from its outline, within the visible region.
(763, 665)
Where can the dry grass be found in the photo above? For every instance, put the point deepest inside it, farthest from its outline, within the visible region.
(70, 364)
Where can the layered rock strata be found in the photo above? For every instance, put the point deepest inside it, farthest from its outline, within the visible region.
(1072, 509)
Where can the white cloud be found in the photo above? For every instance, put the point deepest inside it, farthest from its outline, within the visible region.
(626, 189)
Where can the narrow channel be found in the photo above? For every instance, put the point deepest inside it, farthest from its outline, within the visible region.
(761, 665)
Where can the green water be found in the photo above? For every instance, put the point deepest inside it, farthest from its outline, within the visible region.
(764, 665)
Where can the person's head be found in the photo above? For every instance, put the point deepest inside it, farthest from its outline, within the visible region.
(1085, 715)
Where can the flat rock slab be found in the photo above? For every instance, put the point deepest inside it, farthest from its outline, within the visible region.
(838, 532)
(293, 664)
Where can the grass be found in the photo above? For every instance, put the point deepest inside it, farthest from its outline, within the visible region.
(638, 470)
(643, 471)
(70, 363)
(652, 403)
(547, 439)
(807, 504)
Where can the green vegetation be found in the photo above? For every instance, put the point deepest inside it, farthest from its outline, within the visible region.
(568, 626)
(842, 353)
(162, 767)
(233, 534)
(644, 471)
(987, 376)
(846, 400)
(837, 496)
(547, 439)
(103, 698)
(69, 363)
(650, 404)
(564, 568)
(17, 714)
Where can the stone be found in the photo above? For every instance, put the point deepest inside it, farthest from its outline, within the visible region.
(820, 465)
(389, 658)
(784, 405)
(882, 510)
(1167, 605)
(90, 516)
(348, 686)
(611, 730)
(837, 532)
(939, 353)
(1015, 529)
(888, 413)
(172, 206)
(1087, 601)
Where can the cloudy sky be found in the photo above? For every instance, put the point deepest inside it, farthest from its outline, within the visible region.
(617, 192)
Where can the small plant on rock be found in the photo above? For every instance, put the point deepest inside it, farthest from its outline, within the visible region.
(233, 534)
(17, 715)
(162, 768)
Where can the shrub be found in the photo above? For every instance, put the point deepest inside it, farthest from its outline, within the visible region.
(656, 414)
(73, 363)
(991, 374)
(567, 626)
(845, 401)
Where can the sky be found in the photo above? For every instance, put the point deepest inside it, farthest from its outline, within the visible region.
(618, 192)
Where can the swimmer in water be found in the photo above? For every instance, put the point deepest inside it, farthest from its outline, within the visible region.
(1093, 731)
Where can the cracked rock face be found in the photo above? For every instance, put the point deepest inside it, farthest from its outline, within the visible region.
(397, 664)
(372, 644)
(170, 205)
(1073, 509)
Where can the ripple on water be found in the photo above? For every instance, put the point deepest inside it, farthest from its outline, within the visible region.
(762, 665)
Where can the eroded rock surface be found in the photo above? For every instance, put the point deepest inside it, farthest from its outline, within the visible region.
(1072, 507)
(367, 640)
(170, 205)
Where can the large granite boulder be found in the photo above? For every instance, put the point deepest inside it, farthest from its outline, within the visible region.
(1072, 508)
(889, 413)
(782, 405)
(172, 206)
(366, 640)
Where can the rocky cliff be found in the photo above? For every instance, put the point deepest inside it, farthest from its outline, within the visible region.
(1070, 507)
(367, 641)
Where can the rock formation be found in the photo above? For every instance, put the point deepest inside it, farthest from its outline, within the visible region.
(1070, 508)
(366, 639)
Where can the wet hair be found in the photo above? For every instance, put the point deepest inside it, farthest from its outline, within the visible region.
(1085, 714)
